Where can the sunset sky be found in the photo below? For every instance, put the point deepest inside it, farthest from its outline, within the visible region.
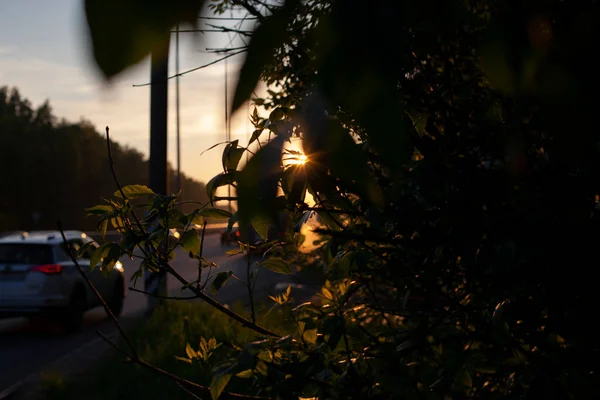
(45, 53)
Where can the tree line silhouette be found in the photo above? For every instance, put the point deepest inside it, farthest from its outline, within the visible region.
(52, 169)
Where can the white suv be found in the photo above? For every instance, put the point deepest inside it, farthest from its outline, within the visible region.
(37, 276)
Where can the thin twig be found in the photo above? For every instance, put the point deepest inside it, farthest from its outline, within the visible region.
(229, 18)
(225, 49)
(125, 199)
(188, 391)
(195, 69)
(217, 29)
(112, 164)
(250, 287)
(162, 297)
(214, 303)
(250, 8)
(114, 345)
(227, 29)
(200, 255)
(94, 290)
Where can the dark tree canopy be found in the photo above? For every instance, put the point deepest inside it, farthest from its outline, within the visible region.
(56, 168)
(454, 158)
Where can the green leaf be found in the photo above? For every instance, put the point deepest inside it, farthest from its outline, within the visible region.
(266, 38)
(218, 384)
(407, 344)
(218, 181)
(196, 218)
(278, 265)
(102, 227)
(190, 352)
(262, 368)
(173, 219)
(101, 210)
(261, 225)
(245, 374)
(233, 252)
(327, 293)
(255, 135)
(466, 382)
(257, 187)
(111, 258)
(232, 155)
(277, 114)
(310, 336)
(220, 280)
(134, 191)
(190, 241)
(99, 254)
(187, 360)
(215, 213)
(123, 33)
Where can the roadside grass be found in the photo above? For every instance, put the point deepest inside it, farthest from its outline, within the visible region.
(54, 386)
(158, 340)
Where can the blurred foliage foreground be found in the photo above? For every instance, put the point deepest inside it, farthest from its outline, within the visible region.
(453, 160)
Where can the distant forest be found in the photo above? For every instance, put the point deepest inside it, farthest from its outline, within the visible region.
(52, 169)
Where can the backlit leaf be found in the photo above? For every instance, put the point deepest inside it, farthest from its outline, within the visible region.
(310, 336)
(218, 384)
(190, 241)
(231, 156)
(99, 210)
(220, 279)
(99, 254)
(278, 265)
(245, 374)
(190, 352)
(134, 191)
(218, 181)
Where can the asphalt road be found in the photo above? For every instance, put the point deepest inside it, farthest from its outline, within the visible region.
(27, 346)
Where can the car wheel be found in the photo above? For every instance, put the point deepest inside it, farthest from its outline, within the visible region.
(73, 316)
(117, 298)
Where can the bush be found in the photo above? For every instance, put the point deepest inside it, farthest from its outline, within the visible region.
(453, 162)
(162, 341)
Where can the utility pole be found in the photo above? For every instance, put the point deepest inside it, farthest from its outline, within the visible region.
(156, 282)
(177, 108)
(227, 132)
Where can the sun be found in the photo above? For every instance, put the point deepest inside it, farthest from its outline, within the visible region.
(296, 159)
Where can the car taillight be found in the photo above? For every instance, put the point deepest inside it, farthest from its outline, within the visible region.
(47, 269)
(237, 233)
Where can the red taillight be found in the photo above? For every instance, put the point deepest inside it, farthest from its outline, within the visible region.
(237, 233)
(48, 269)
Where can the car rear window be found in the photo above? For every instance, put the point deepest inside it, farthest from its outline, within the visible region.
(17, 253)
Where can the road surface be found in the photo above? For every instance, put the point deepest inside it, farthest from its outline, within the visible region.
(26, 347)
